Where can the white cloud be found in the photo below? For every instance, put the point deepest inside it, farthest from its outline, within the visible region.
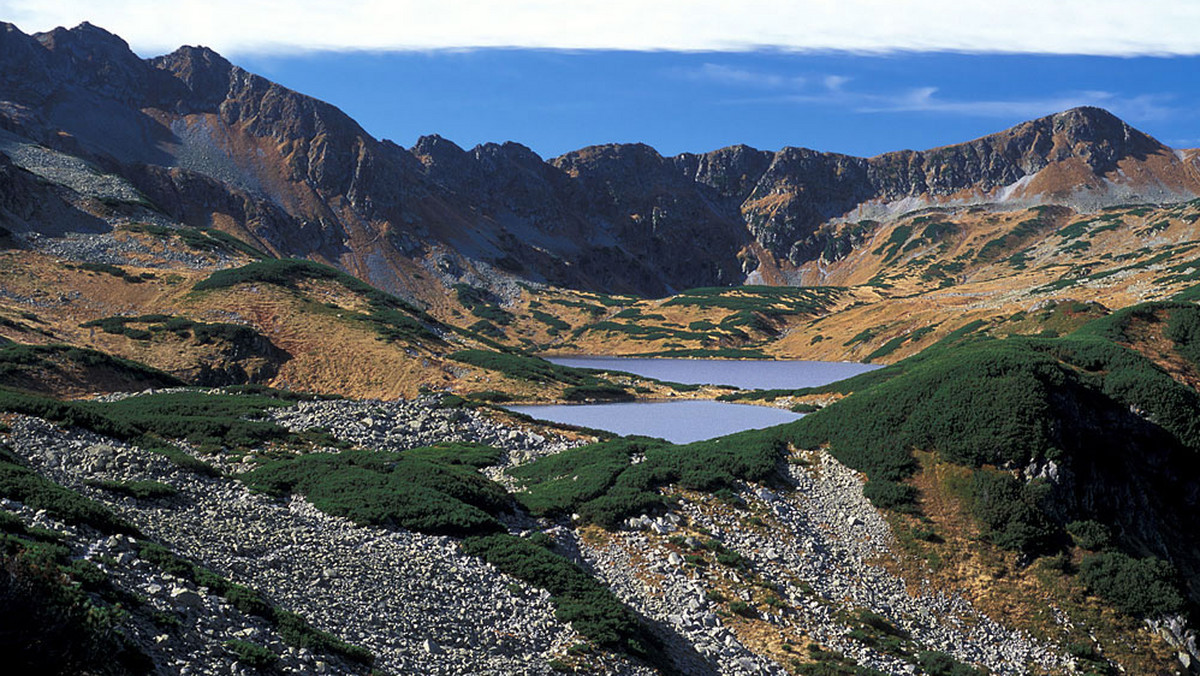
(925, 99)
(1109, 27)
(714, 72)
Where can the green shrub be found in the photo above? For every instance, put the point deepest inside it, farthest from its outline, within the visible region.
(1089, 534)
(1011, 511)
(251, 654)
(597, 393)
(940, 664)
(421, 490)
(24, 485)
(49, 624)
(1146, 587)
(578, 598)
(141, 490)
(890, 495)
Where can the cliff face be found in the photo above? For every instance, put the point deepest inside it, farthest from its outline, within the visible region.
(215, 145)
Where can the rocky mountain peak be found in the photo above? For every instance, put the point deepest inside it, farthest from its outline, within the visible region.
(204, 72)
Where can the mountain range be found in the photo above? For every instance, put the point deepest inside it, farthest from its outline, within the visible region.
(212, 145)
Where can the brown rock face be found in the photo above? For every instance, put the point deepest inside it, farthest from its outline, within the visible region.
(212, 144)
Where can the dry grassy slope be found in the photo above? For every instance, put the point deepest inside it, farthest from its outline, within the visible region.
(946, 546)
(330, 351)
(319, 324)
(907, 283)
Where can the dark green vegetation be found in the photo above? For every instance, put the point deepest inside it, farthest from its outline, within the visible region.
(208, 239)
(28, 366)
(251, 654)
(213, 421)
(581, 384)
(1146, 587)
(394, 319)
(431, 490)
(293, 628)
(141, 490)
(577, 597)
(22, 484)
(602, 484)
(114, 270)
(60, 616)
(483, 304)
(181, 327)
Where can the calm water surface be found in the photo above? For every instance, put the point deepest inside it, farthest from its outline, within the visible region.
(692, 420)
(679, 422)
(759, 374)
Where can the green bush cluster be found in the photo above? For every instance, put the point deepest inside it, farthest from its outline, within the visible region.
(431, 490)
(251, 654)
(18, 360)
(141, 490)
(394, 319)
(114, 270)
(578, 598)
(1146, 587)
(24, 485)
(50, 623)
(209, 239)
(526, 367)
(602, 484)
(182, 327)
(597, 393)
(293, 628)
(1011, 511)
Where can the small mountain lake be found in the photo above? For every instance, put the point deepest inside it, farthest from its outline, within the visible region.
(692, 420)
(757, 374)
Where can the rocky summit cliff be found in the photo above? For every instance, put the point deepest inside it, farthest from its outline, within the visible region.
(212, 145)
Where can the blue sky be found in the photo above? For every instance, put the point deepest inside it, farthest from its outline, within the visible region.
(852, 76)
(555, 101)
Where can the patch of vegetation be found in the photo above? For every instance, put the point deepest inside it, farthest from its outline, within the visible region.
(709, 353)
(891, 247)
(293, 628)
(890, 495)
(209, 239)
(556, 325)
(527, 368)
(51, 624)
(431, 490)
(597, 393)
(114, 270)
(602, 484)
(18, 361)
(937, 663)
(182, 327)
(251, 654)
(769, 301)
(141, 490)
(1146, 587)
(482, 303)
(578, 598)
(22, 484)
(394, 319)
(1089, 534)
